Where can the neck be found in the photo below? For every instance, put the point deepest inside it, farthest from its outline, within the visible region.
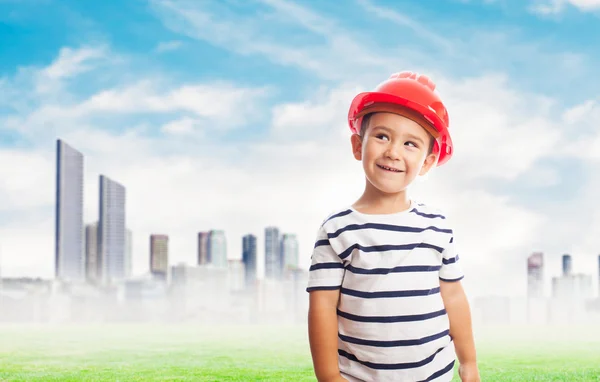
(376, 202)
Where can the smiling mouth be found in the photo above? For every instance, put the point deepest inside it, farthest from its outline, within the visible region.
(388, 168)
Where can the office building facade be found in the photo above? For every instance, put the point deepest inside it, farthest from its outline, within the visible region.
(112, 231)
(69, 246)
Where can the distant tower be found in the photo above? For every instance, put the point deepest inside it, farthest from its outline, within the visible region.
(159, 255)
(69, 250)
(111, 231)
(272, 256)
(289, 252)
(535, 275)
(567, 265)
(217, 248)
(203, 254)
(128, 253)
(249, 258)
(92, 271)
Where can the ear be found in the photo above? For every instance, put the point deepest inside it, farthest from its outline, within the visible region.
(356, 141)
(430, 161)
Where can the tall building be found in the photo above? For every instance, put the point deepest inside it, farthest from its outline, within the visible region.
(572, 287)
(111, 231)
(567, 264)
(289, 252)
(159, 255)
(535, 275)
(68, 249)
(203, 254)
(128, 253)
(217, 248)
(92, 271)
(272, 257)
(235, 275)
(249, 258)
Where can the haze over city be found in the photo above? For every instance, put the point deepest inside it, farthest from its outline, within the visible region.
(202, 142)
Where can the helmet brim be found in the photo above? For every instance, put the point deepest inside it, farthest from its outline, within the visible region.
(369, 100)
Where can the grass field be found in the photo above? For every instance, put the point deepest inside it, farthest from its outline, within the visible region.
(257, 353)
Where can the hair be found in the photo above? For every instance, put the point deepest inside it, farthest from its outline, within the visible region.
(365, 124)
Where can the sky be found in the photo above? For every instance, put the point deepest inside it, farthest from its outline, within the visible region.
(232, 115)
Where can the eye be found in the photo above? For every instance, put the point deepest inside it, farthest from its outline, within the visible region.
(412, 143)
(382, 136)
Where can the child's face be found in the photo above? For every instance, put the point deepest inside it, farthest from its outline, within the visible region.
(393, 151)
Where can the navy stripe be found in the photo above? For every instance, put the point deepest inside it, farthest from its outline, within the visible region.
(450, 260)
(391, 293)
(390, 366)
(389, 344)
(401, 269)
(339, 214)
(321, 242)
(382, 248)
(452, 240)
(429, 216)
(452, 280)
(315, 267)
(439, 373)
(388, 319)
(386, 227)
(323, 288)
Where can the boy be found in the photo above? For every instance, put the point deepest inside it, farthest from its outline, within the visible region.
(386, 301)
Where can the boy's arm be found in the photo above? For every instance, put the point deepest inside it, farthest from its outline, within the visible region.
(459, 314)
(323, 334)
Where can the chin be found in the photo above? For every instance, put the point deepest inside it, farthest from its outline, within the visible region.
(389, 189)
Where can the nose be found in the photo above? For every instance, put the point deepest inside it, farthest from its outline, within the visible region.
(393, 151)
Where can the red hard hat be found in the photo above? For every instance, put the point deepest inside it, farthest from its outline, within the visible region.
(412, 91)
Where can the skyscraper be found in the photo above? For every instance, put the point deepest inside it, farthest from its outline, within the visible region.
(289, 252)
(92, 272)
(111, 230)
(203, 254)
(159, 255)
(68, 250)
(217, 248)
(128, 253)
(535, 275)
(272, 257)
(567, 264)
(249, 258)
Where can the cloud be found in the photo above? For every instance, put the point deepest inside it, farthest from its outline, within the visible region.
(19, 183)
(217, 105)
(405, 21)
(69, 63)
(553, 7)
(329, 52)
(183, 126)
(323, 115)
(168, 46)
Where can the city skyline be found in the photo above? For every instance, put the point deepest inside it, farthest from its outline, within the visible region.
(281, 249)
(203, 142)
(105, 256)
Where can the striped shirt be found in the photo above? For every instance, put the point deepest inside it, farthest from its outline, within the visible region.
(392, 325)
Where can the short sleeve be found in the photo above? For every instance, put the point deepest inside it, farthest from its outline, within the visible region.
(451, 268)
(327, 269)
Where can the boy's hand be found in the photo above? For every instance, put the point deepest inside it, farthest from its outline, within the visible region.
(468, 372)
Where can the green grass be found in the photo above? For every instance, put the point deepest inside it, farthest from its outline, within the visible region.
(189, 353)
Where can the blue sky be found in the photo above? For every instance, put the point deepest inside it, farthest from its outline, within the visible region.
(230, 115)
